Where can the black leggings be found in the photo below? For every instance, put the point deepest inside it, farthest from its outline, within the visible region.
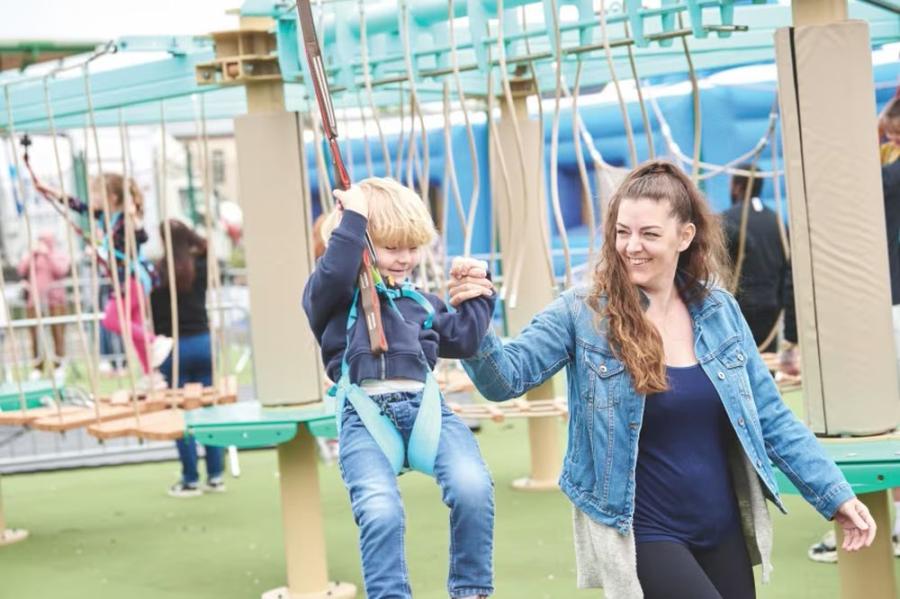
(669, 570)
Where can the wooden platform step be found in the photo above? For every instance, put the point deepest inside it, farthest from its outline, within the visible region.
(189, 397)
(517, 408)
(83, 416)
(20, 418)
(164, 425)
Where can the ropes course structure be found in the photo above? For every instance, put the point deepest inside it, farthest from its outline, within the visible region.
(481, 68)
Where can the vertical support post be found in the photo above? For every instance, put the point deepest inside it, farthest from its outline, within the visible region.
(863, 572)
(9, 536)
(837, 222)
(535, 290)
(272, 178)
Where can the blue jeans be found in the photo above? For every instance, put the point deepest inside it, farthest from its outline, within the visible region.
(194, 366)
(466, 486)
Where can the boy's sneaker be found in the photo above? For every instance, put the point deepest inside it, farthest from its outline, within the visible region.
(182, 490)
(215, 485)
(825, 551)
(162, 347)
(895, 541)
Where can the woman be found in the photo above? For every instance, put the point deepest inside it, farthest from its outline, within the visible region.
(674, 416)
(194, 350)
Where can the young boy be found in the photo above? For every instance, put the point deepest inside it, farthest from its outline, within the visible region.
(419, 329)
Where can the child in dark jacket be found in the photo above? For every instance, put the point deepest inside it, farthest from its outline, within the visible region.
(392, 397)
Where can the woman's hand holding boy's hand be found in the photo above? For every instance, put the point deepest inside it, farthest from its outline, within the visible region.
(353, 199)
(468, 279)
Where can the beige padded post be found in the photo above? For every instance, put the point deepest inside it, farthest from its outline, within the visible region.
(536, 288)
(841, 281)
(272, 179)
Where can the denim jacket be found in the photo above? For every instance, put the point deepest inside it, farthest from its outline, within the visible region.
(606, 412)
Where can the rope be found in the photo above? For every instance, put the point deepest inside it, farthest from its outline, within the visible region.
(367, 150)
(554, 149)
(95, 263)
(14, 343)
(476, 181)
(44, 346)
(651, 151)
(163, 201)
(401, 135)
(607, 50)
(494, 139)
(117, 290)
(698, 115)
(70, 242)
(519, 261)
(128, 217)
(714, 169)
(367, 82)
(326, 199)
(450, 166)
(212, 270)
(586, 199)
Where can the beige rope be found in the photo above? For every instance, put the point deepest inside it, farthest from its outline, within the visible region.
(450, 166)
(163, 203)
(586, 198)
(212, 261)
(70, 243)
(554, 149)
(520, 150)
(107, 220)
(44, 346)
(626, 119)
(11, 332)
(645, 118)
(367, 82)
(698, 115)
(401, 135)
(473, 153)
(95, 266)
(367, 150)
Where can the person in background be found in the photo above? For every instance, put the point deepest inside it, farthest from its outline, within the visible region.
(189, 256)
(51, 266)
(764, 288)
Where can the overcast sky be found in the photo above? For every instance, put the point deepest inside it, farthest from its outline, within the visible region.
(107, 19)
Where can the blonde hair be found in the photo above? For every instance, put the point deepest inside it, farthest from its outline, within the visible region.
(115, 191)
(889, 119)
(397, 215)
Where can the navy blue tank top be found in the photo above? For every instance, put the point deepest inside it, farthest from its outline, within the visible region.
(683, 489)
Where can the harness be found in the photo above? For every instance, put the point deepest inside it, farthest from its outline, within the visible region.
(139, 268)
(423, 440)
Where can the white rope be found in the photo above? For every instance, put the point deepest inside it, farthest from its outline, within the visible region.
(645, 119)
(586, 198)
(698, 115)
(367, 150)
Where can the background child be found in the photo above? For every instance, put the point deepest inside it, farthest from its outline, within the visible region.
(139, 278)
(50, 267)
(889, 131)
(399, 225)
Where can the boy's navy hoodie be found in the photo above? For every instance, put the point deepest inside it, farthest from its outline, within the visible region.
(329, 293)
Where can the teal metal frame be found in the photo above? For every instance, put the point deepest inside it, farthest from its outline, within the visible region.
(869, 466)
(136, 90)
(250, 425)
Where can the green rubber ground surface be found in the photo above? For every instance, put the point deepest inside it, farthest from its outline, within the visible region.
(113, 533)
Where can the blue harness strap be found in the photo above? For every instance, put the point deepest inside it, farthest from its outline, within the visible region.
(140, 268)
(426, 432)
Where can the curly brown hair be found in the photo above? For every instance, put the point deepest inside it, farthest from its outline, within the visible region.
(619, 303)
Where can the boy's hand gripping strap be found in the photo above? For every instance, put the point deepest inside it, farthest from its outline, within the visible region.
(369, 296)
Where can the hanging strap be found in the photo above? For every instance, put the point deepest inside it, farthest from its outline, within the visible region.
(426, 432)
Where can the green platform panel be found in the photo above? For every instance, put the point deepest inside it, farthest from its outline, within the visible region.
(869, 466)
(35, 392)
(250, 425)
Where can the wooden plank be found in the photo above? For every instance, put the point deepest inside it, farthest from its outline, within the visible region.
(20, 418)
(81, 417)
(163, 425)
